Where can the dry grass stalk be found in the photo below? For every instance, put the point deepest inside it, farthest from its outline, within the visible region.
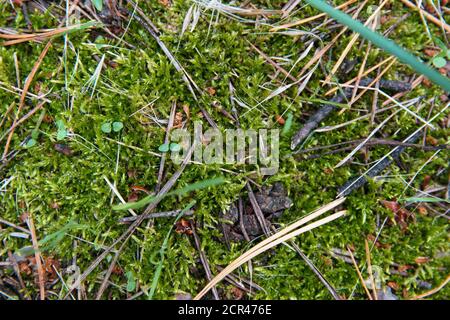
(309, 19)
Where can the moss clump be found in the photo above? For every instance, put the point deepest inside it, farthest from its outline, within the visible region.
(59, 189)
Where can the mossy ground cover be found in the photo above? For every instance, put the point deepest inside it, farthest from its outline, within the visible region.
(67, 195)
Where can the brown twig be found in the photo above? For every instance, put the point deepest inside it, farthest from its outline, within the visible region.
(203, 258)
(10, 224)
(23, 119)
(369, 269)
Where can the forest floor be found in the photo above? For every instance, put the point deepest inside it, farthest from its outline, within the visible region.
(87, 95)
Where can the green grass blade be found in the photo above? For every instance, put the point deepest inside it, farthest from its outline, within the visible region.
(423, 199)
(162, 252)
(384, 43)
(192, 187)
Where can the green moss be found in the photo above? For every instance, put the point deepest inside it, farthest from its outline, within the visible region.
(213, 58)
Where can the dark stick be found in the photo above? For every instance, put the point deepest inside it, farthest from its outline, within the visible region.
(15, 265)
(325, 110)
(10, 224)
(358, 182)
(203, 259)
(244, 231)
(241, 220)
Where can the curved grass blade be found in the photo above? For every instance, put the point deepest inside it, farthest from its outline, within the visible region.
(192, 187)
(163, 250)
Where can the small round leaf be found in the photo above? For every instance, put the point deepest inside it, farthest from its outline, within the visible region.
(439, 62)
(106, 127)
(175, 147)
(164, 147)
(61, 134)
(60, 124)
(117, 126)
(30, 143)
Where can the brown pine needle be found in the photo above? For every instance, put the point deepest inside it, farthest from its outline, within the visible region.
(19, 38)
(427, 15)
(369, 269)
(331, 91)
(432, 291)
(377, 78)
(359, 274)
(309, 19)
(37, 256)
(24, 94)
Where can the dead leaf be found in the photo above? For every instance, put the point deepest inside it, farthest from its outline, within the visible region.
(431, 140)
(425, 182)
(64, 149)
(422, 210)
(187, 111)
(280, 120)
(183, 226)
(421, 260)
(211, 91)
(393, 285)
(140, 189)
(178, 121)
(431, 52)
(165, 3)
(133, 197)
(237, 293)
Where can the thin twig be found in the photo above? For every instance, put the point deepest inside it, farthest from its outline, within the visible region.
(203, 259)
(359, 274)
(257, 209)
(427, 15)
(37, 256)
